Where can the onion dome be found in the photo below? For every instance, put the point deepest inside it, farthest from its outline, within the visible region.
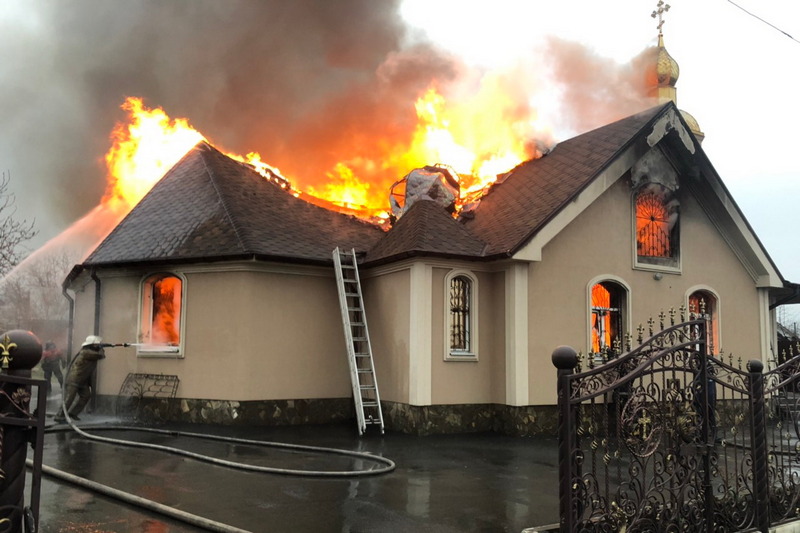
(693, 125)
(667, 70)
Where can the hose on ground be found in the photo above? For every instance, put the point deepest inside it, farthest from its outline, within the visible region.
(388, 464)
(105, 490)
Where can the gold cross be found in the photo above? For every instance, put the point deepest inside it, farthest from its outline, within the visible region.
(643, 422)
(659, 12)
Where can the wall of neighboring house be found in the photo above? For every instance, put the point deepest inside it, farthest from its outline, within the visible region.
(597, 245)
(250, 333)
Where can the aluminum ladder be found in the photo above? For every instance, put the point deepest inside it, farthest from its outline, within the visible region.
(359, 350)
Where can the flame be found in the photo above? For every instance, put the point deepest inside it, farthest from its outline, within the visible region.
(479, 136)
(166, 310)
(143, 150)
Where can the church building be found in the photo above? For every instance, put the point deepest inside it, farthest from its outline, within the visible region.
(226, 282)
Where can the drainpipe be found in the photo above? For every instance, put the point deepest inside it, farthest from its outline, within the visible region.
(97, 300)
(70, 321)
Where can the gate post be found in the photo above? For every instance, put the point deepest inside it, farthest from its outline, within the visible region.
(758, 438)
(565, 359)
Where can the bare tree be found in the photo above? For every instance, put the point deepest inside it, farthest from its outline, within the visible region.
(13, 232)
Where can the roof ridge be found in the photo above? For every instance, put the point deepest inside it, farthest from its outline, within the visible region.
(222, 199)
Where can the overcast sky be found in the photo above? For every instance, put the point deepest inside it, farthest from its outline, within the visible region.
(292, 79)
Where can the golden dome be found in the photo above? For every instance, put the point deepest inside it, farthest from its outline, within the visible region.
(693, 125)
(667, 70)
(662, 70)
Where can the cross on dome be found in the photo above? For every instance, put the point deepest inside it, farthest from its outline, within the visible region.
(661, 8)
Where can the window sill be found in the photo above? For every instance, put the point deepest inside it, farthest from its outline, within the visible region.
(674, 268)
(173, 352)
(461, 356)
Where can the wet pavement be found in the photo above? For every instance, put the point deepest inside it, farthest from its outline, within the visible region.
(445, 483)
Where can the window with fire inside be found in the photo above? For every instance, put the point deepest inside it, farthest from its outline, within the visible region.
(657, 228)
(161, 310)
(607, 318)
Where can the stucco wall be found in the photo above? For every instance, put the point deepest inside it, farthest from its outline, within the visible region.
(386, 302)
(598, 243)
(480, 380)
(248, 335)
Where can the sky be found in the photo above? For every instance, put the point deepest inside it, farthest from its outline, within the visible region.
(302, 82)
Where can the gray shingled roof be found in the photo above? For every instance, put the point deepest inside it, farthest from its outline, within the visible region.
(426, 228)
(209, 207)
(535, 191)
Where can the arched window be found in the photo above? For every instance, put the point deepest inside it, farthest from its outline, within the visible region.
(461, 316)
(656, 226)
(608, 301)
(460, 305)
(162, 303)
(705, 302)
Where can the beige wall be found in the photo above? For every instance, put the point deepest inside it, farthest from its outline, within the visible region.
(386, 302)
(599, 243)
(248, 335)
(469, 381)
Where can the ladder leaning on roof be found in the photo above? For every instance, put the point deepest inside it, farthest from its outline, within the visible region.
(356, 334)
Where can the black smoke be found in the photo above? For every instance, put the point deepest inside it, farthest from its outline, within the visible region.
(290, 79)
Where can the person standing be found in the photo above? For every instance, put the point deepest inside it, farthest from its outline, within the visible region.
(79, 377)
(52, 361)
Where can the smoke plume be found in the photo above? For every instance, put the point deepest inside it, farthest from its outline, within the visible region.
(306, 83)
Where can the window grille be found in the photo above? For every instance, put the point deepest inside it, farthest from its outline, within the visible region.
(460, 301)
(652, 226)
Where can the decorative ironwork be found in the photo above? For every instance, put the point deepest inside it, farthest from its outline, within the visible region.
(668, 437)
(19, 429)
(7, 345)
(137, 389)
(652, 226)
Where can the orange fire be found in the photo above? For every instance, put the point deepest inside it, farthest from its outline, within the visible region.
(143, 150)
(478, 137)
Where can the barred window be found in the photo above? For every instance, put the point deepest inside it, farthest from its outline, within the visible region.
(162, 298)
(460, 314)
(652, 226)
(656, 226)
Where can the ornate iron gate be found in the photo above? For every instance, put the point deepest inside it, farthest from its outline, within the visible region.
(667, 437)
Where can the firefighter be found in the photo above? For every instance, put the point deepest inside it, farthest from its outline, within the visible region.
(52, 361)
(79, 377)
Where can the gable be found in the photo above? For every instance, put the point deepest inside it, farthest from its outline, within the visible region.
(664, 151)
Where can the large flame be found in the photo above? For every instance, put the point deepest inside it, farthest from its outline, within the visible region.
(142, 150)
(479, 137)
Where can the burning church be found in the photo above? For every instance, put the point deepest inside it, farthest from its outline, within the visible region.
(225, 280)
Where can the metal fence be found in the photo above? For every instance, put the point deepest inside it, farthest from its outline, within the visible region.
(667, 437)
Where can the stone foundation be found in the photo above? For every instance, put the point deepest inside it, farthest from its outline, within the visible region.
(470, 418)
(228, 412)
(403, 418)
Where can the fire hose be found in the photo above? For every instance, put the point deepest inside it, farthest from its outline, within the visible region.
(387, 464)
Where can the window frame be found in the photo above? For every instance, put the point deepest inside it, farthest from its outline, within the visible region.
(673, 263)
(624, 310)
(145, 312)
(471, 354)
(716, 314)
